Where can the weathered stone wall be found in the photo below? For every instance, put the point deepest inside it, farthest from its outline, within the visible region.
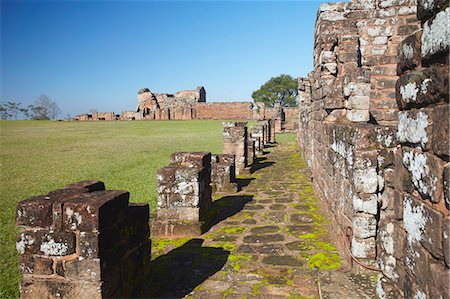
(98, 116)
(224, 110)
(83, 242)
(377, 167)
(414, 227)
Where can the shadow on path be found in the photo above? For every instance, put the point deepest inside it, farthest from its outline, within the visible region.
(225, 207)
(243, 182)
(177, 273)
(259, 163)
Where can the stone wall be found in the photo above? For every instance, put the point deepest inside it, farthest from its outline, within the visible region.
(368, 136)
(414, 245)
(376, 166)
(224, 110)
(98, 116)
(83, 242)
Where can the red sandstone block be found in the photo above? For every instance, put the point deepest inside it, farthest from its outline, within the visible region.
(423, 87)
(30, 264)
(426, 173)
(417, 265)
(89, 244)
(439, 280)
(446, 240)
(441, 125)
(46, 243)
(446, 184)
(32, 289)
(34, 212)
(427, 9)
(409, 53)
(197, 159)
(91, 211)
(83, 269)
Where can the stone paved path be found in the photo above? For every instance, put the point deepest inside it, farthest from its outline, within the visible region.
(268, 241)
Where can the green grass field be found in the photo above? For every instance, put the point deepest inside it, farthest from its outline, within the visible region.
(40, 156)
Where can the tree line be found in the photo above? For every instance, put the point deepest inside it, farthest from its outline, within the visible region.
(42, 109)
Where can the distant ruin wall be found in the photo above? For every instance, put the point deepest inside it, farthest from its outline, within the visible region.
(224, 110)
(369, 137)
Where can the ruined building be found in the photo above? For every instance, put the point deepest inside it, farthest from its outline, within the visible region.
(374, 120)
(191, 104)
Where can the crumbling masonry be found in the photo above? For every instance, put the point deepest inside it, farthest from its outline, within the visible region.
(184, 195)
(377, 143)
(83, 242)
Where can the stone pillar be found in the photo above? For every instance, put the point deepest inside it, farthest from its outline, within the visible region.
(273, 128)
(266, 133)
(72, 243)
(223, 174)
(235, 143)
(257, 136)
(250, 151)
(184, 195)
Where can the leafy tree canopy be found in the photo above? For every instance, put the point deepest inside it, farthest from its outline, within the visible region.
(278, 90)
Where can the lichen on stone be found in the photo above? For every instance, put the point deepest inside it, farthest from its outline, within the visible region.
(414, 219)
(412, 130)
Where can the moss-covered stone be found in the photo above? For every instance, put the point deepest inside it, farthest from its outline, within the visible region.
(325, 260)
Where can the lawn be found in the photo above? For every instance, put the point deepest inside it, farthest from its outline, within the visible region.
(39, 156)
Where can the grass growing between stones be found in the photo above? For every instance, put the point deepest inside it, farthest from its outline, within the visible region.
(40, 156)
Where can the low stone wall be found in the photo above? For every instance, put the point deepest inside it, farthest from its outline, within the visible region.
(83, 242)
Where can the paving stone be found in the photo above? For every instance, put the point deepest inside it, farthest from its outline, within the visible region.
(249, 221)
(261, 249)
(281, 260)
(283, 200)
(277, 207)
(253, 207)
(265, 229)
(301, 218)
(263, 238)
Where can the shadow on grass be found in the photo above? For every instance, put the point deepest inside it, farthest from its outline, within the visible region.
(225, 207)
(260, 163)
(177, 273)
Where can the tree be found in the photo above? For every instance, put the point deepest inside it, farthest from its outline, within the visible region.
(13, 108)
(4, 113)
(44, 109)
(278, 90)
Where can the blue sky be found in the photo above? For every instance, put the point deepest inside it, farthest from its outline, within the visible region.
(98, 54)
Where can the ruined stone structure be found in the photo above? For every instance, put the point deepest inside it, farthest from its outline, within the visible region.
(257, 134)
(223, 174)
(191, 104)
(184, 195)
(224, 110)
(235, 142)
(377, 143)
(98, 116)
(83, 242)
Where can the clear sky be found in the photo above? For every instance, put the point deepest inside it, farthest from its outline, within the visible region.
(97, 54)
